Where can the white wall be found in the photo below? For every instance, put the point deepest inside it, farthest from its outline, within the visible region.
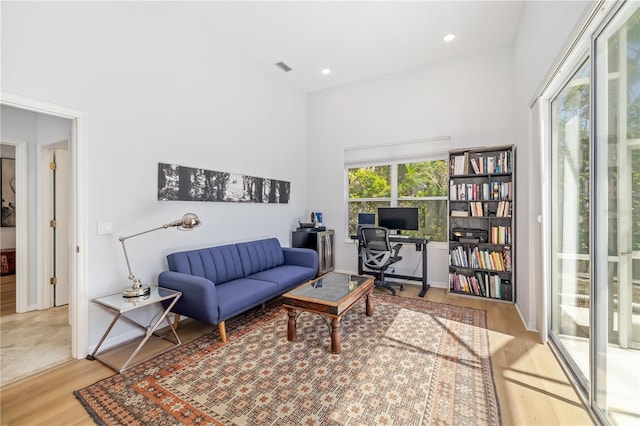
(158, 85)
(468, 99)
(545, 30)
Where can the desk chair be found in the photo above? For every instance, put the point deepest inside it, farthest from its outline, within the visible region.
(378, 254)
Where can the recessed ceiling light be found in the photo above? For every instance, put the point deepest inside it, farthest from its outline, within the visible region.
(326, 71)
(449, 37)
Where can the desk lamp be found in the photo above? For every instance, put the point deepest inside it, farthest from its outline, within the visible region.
(189, 221)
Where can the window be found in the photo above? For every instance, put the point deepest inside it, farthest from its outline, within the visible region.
(420, 184)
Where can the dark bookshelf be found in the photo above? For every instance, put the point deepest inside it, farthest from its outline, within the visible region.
(482, 222)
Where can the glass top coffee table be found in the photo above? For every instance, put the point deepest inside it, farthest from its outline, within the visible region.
(331, 296)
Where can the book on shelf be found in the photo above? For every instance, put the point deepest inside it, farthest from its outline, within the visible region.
(500, 235)
(507, 258)
(491, 164)
(474, 165)
(459, 164)
(504, 209)
(459, 213)
(477, 209)
(483, 289)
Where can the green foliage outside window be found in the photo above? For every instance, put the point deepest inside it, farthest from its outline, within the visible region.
(422, 185)
(370, 182)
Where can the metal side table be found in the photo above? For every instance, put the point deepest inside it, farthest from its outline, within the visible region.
(120, 306)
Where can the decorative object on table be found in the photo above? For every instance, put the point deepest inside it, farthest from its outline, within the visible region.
(413, 362)
(180, 183)
(8, 172)
(189, 221)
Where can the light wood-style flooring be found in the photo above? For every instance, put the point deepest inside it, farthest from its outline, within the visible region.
(532, 388)
(7, 295)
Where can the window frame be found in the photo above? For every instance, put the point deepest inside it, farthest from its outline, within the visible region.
(394, 199)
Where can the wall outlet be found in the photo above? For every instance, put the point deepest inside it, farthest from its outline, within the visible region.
(105, 228)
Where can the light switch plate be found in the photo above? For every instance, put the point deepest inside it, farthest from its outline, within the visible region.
(105, 228)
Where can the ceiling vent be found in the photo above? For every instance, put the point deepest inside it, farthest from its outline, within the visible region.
(284, 67)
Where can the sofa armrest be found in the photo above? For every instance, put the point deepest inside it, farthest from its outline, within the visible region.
(198, 300)
(301, 257)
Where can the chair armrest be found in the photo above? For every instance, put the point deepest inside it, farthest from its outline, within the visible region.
(301, 257)
(396, 249)
(199, 299)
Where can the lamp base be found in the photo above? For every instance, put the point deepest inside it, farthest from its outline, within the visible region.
(136, 292)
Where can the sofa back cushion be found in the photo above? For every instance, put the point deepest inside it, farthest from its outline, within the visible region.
(217, 264)
(260, 255)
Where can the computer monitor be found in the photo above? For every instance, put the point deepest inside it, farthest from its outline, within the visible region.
(398, 218)
(366, 219)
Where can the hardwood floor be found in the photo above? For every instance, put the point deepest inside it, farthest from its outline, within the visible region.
(532, 389)
(7, 295)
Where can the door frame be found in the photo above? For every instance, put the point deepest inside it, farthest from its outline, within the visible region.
(78, 170)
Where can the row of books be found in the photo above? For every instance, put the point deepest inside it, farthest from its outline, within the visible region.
(474, 257)
(479, 209)
(480, 191)
(500, 235)
(481, 284)
(501, 163)
(503, 209)
(459, 164)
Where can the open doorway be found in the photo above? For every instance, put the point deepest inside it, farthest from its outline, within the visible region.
(31, 258)
(37, 323)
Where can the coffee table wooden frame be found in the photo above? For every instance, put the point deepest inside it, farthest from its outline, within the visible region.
(333, 310)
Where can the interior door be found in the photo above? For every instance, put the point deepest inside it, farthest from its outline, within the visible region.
(60, 232)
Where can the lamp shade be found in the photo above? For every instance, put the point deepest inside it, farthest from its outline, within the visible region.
(188, 221)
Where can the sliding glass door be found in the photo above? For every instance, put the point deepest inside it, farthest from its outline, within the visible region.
(570, 220)
(594, 253)
(617, 192)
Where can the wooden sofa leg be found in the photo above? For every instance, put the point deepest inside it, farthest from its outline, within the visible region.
(223, 332)
(176, 321)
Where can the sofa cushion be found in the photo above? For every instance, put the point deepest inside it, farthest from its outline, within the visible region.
(286, 276)
(217, 264)
(260, 255)
(239, 295)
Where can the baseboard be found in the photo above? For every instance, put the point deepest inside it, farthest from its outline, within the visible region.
(524, 323)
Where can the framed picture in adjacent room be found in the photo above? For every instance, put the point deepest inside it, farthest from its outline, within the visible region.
(8, 173)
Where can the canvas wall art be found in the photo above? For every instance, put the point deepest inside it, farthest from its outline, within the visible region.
(180, 183)
(8, 173)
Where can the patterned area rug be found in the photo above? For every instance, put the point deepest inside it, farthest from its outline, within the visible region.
(414, 362)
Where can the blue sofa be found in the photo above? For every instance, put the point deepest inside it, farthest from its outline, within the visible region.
(218, 283)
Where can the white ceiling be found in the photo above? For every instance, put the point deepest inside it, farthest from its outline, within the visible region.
(358, 40)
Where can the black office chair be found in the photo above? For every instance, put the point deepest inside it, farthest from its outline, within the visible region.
(377, 253)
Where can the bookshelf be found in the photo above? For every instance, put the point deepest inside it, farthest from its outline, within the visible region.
(481, 222)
